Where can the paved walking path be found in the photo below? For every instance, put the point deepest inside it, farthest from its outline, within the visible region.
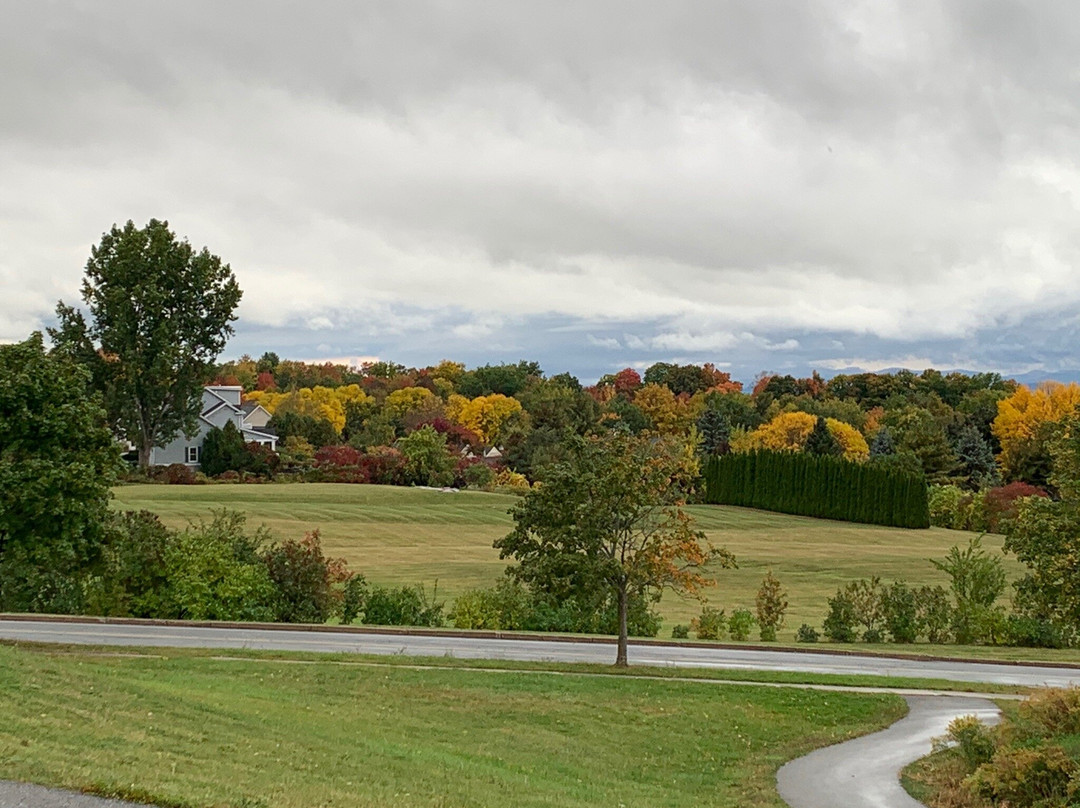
(865, 772)
(25, 795)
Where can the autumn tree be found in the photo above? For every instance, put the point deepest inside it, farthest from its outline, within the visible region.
(160, 313)
(610, 517)
(57, 462)
(1024, 428)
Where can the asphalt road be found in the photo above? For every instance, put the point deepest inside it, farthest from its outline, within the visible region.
(864, 772)
(527, 650)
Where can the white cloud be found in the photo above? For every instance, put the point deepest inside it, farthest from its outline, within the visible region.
(888, 171)
(603, 342)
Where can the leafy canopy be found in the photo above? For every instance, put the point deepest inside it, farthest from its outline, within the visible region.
(160, 313)
(57, 462)
(609, 517)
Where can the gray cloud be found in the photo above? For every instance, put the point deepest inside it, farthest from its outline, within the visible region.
(686, 179)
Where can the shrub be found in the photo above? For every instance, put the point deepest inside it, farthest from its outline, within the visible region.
(596, 614)
(771, 604)
(305, 580)
(384, 465)
(511, 482)
(934, 613)
(680, 632)
(974, 741)
(901, 612)
(806, 633)
(740, 624)
(215, 573)
(873, 636)
(1002, 503)
(1055, 711)
(710, 624)
(866, 598)
(406, 606)
(503, 607)
(1036, 632)
(840, 622)
(353, 598)
(1026, 776)
(475, 473)
(132, 579)
(177, 474)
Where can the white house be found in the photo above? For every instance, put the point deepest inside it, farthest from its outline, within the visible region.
(220, 405)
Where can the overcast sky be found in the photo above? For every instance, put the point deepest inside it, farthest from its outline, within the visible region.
(764, 185)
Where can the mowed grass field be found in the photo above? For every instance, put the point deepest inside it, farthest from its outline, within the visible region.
(182, 729)
(400, 535)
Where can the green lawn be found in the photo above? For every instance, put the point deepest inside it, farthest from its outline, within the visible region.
(407, 535)
(184, 729)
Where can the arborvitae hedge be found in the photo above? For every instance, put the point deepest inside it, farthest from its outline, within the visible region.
(816, 485)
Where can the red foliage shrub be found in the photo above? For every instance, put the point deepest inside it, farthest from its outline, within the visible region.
(339, 456)
(1002, 502)
(384, 465)
(176, 474)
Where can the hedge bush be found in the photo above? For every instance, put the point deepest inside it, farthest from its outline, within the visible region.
(819, 486)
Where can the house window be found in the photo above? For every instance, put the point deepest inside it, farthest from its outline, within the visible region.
(193, 454)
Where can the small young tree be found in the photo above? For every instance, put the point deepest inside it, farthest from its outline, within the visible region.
(882, 445)
(976, 459)
(771, 605)
(977, 581)
(821, 441)
(714, 427)
(223, 450)
(610, 517)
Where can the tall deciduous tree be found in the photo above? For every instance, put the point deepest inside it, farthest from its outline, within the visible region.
(160, 313)
(610, 517)
(57, 461)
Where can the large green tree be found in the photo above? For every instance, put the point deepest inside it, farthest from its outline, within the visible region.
(609, 517)
(57, 462)
(160, 313)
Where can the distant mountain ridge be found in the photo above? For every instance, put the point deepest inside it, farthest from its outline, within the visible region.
(1030, 378)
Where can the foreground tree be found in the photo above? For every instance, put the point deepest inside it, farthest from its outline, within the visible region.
(160, 313)
(610, 517)
(57, 462)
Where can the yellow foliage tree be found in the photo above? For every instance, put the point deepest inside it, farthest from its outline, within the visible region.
(406, 400)
(327, 403)
(484, 415)
(786, 432)
(670, 415)
(849, 438)
(1022, 416)
(789, 431)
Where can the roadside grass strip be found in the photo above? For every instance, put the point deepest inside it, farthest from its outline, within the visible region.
(181, 728)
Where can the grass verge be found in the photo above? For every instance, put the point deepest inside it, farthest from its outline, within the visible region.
(183, 729)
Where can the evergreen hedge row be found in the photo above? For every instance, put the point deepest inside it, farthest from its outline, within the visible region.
(820, 486)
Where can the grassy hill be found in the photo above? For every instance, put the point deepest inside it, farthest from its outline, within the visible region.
(408, 535)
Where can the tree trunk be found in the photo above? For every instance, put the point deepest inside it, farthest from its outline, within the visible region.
(145, 447)
(620, 657)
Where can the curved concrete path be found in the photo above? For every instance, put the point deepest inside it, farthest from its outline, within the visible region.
(865, 772)
(25, 795)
